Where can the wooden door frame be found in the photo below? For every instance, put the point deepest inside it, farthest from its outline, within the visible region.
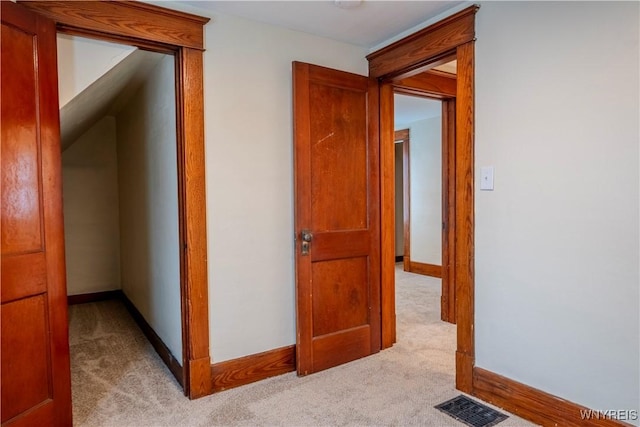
(181, 34)
(432, 46)
(404, 135)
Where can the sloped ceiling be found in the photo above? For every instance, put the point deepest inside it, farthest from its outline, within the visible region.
(105, 96)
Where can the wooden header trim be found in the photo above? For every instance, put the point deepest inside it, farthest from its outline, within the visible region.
(126, 19)
(438, 85)
(402, 135)
(438, 39)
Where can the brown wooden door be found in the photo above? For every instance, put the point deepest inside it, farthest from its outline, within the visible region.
(337, 206)
(36, 388)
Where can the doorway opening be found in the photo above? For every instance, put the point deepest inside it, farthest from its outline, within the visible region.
(102, 21)
(423, 142)
(120, 198)
(418, 189)
(450, 39)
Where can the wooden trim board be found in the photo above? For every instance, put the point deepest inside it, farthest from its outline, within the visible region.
(425, 47)
(256, 367)
(534, 405)
(437, 85)
(134, 20)
(448, 300)
(387, 218)
(94, 297)
(463, 221)
(425, 269)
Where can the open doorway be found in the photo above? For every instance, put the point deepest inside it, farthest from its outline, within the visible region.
(418, 148)
(424, 104)
(121, 210)
(418, 151)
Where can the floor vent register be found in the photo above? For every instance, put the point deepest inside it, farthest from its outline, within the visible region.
(471, 412)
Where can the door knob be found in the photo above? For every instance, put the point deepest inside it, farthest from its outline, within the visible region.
(307, 237)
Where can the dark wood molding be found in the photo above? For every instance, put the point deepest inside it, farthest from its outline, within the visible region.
(532, 404)
(401, 135)
(424, 47)
(450, 38)
(425, 269)
(256, 367)
(387, 216)
(399, 258)
(94, 297)
(404, 135)
(157, 343)
(193, 222)
(126, 21)
(463, 221)
(448, 298)
(437, 85)
(182, 34)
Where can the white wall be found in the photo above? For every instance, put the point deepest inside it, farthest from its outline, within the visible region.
(82, 61)
(557, 243)
(90, 197)
(425, 169)
(148, 188)
(248, 128)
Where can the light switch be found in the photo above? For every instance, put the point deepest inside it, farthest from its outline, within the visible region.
(486, 178)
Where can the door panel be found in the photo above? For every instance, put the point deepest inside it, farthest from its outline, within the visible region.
(337, 202)
(21, 217)
(36, 387)
(340, 289)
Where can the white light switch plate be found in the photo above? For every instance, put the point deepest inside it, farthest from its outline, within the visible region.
(486, 178)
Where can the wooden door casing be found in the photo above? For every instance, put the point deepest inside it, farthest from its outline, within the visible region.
(164, 30)
(436, 44)
(36, 388)
(337, 200)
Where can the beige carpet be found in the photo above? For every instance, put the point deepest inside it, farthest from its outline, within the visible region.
(118, 380)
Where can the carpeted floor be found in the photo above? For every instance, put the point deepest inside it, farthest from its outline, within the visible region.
(118, 380)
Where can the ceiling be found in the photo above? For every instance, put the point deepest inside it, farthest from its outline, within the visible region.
(409, 109)
(368, 24)
(105, 96)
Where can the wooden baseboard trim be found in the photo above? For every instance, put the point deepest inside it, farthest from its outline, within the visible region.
(464, 372)
(200, 376)
(535, 405)
(161, 348)
(94, 297)
(256, 367)
(399, 258)
(425, 269)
